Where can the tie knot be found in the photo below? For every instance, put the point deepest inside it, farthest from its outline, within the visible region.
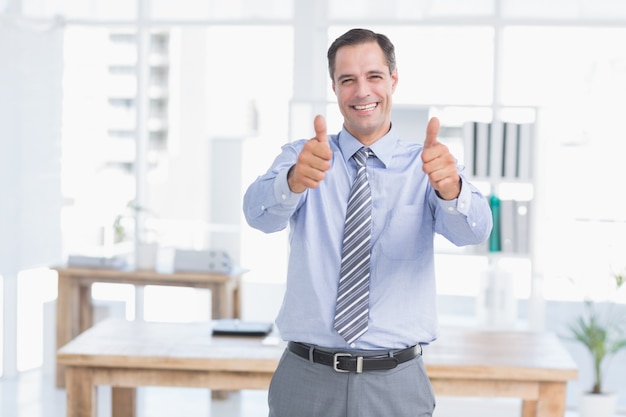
(360, 156)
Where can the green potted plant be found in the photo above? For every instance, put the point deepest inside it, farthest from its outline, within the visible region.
(601, 330)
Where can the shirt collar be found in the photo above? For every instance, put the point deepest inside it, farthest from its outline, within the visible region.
(383, 148)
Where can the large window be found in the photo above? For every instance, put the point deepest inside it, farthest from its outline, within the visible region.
(200, 88)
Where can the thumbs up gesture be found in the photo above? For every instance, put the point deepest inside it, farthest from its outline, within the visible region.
(439, 164)
(313, 161)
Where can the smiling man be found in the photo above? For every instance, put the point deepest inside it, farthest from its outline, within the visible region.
(364, 84)
(362, 207)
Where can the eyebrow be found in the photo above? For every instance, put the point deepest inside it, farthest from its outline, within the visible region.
(372, 72)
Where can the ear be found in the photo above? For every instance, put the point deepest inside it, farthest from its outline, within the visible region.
(394, 80)
(333, 85)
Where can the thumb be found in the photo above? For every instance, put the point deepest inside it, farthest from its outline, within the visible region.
(432, 130)
(319, 124)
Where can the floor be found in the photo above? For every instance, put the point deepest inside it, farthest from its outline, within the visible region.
(33, 394)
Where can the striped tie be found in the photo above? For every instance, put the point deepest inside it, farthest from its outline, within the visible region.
(352, 310)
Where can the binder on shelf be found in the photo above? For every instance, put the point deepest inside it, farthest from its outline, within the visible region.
(510, 150)
(508, 232)
(494, 237)
(525, 146)
(495, 148)
(482, 149)
(498, 149)
(468, 145)
(468, 148)
(522, 225)
(497, 152)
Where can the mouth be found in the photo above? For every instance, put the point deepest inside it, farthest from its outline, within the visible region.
(365, 107)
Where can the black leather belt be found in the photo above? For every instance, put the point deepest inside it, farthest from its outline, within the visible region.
(350, 362)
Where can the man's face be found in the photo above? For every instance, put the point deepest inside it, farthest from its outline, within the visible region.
(364, 87)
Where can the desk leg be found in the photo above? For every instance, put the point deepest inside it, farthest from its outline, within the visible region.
(124, 402)
(81, 392)
(85, 309)
(221, 301)
(67, 326)
(219, 395)
(236, 294)
(225, 299)
(551, 401)
(224, 304)
(74, 314)
(529, 408)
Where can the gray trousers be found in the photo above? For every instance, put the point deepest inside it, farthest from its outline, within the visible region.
(301, 388)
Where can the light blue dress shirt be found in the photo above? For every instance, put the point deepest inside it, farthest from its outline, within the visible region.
(406, 213)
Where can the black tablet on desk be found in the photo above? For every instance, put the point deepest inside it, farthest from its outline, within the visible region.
(236, 327)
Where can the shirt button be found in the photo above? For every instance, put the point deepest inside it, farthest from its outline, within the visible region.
(462, 205)
(352, 345)
(262, 208)
(473, 224)
(284, 196)
(450, 208)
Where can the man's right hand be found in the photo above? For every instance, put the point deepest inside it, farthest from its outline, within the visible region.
(313, 162)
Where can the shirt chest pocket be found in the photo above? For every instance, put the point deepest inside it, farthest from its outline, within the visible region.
(404, 231)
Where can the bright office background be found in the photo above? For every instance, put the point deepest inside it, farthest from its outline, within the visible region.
(178, 106)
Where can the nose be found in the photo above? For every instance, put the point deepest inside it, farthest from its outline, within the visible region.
(362, 89)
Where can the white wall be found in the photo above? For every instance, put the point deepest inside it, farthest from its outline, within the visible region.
(30, 171)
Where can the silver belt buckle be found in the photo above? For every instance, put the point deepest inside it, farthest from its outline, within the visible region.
(336, 361)
(359, 362)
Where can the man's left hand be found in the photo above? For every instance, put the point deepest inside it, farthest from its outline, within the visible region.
(439, 164)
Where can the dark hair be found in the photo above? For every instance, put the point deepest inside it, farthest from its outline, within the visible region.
(359, 36)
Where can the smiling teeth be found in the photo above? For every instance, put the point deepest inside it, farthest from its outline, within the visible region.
(366, 107)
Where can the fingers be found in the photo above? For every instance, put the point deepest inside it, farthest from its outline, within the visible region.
(433, 149)
(442, 173)
(324, 152)
(313, 161)
(439, 164)
(432, 130)
(319, 124)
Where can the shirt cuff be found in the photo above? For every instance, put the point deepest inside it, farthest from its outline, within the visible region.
(282, 193)
(459, 205)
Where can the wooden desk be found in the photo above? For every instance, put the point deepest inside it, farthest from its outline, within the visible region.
(75, 309)
(532, 366)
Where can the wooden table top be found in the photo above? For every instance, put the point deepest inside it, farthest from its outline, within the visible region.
(151, 276)
(132, 344)
(459, 352)
(486, 354)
